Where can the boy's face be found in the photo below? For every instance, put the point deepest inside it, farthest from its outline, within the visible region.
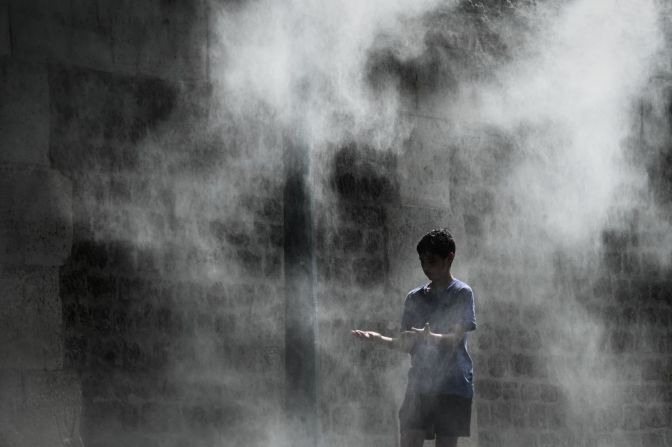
(435, 267)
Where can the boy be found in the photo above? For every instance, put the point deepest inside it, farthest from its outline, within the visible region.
(434, 326)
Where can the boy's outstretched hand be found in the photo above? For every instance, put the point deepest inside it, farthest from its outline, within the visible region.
(366, 335)
(426, 333)
(407, 339)
(404, 343)
(448, 339)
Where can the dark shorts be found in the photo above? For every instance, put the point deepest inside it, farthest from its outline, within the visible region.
(443, 415)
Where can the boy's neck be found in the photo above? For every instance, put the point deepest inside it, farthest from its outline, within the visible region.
(442, 283)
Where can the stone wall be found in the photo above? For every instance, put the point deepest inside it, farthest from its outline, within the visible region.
(164, 324)
(143, 256)
(172, 294)
(36, 232)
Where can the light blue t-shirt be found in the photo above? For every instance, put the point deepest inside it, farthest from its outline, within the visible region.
(441, 369)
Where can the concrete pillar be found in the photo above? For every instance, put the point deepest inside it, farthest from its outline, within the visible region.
(39, 400)
(300, 305)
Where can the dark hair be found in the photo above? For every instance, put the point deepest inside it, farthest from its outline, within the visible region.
(437, 242)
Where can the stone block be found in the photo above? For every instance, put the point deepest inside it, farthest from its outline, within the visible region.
(369, 270)
(519, 415)
(628, 440)
(488, 389)
(655, 417)
(510, 390)
(108, 416)
(127, 386)
(503, 338)
(549, 393)
(498, 365)
(379, 421)
(24, 112)
(504, 309)
(520, 439)
(348, 239)
(39, 408)
(530, 392)
(556, 416)
(604, 440)
(484, 338)
(156, 417)
(655, 439)
(483, 416)
(156, 45)
(656, 369)
(647, 393)
(5, 42)
(551, 439)
(528, 339)
(31, 322)
(527, 366)
(490, 439)
(537, 417)
(158, 41)
(36, 36)
(345, 418)
(249, 261)
(632, 417)
(501, 413)
(76, 349)
(88, 48)
(374, 242)
(273, 266)
(102, 287)
(277, 236)
(37, 224)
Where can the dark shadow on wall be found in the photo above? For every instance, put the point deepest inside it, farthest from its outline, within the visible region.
(118, 323)
(157, 342)
(364, 182)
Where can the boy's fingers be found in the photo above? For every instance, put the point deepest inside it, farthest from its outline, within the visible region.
(425, 329)
(360, 334)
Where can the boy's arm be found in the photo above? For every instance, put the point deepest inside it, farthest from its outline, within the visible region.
(403, 343)
(451, 338)
(467, 322)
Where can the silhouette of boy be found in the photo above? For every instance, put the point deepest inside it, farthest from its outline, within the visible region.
(434, 326)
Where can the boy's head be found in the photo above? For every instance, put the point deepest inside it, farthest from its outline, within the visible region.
(437, 251)
(437, 242)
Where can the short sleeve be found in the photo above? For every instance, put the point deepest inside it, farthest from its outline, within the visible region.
(467, 309)
(407, 314)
